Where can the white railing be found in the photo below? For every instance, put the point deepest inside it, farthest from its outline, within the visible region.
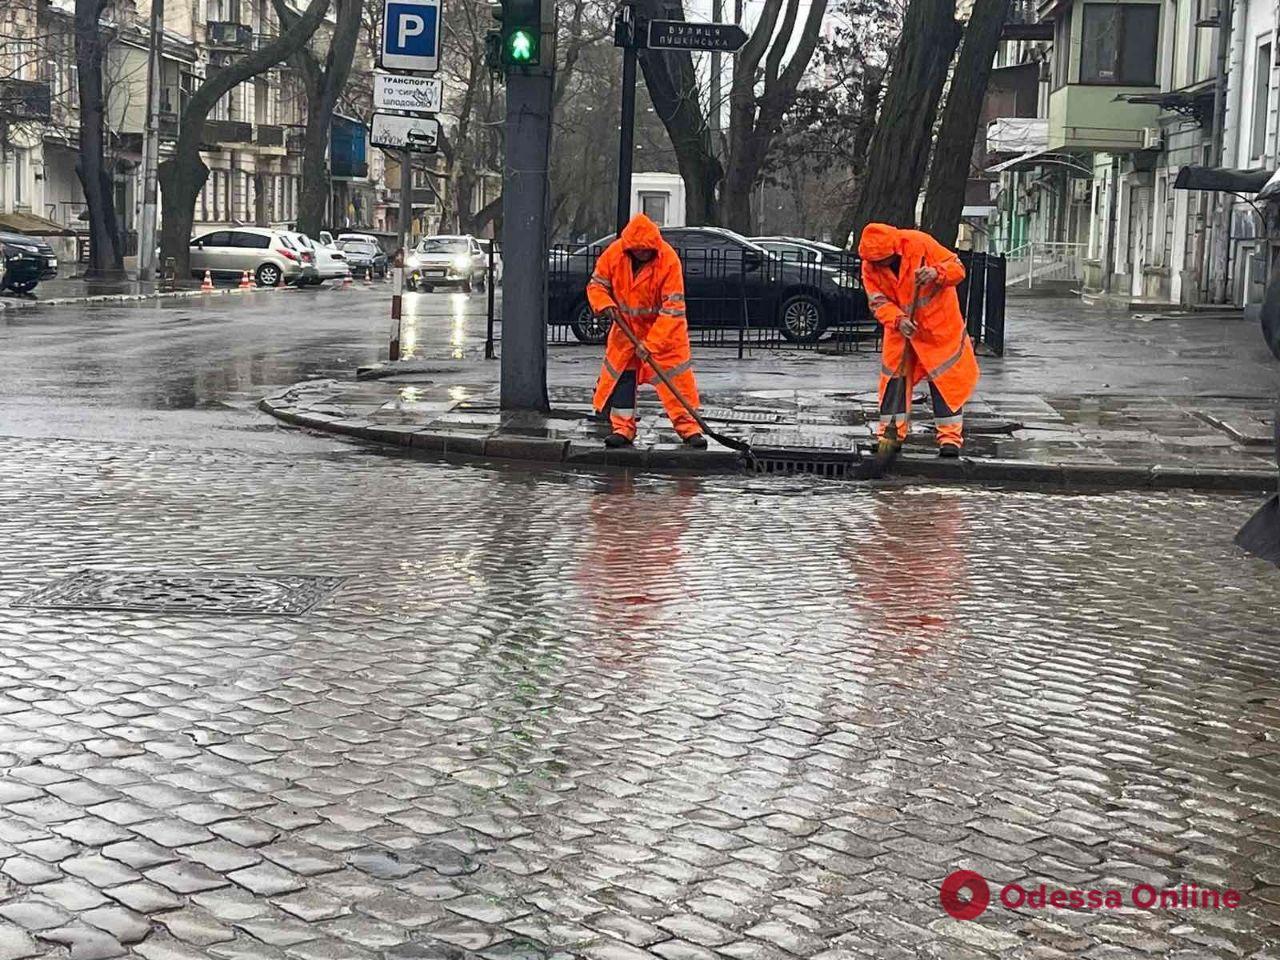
(1044, 261)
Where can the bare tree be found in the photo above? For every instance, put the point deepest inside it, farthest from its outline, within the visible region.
(182, 177)
(106, 250)
(900, 148)
(953, 151)
(324, 83)
(760, 98)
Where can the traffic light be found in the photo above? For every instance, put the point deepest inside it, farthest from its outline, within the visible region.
(521, 33)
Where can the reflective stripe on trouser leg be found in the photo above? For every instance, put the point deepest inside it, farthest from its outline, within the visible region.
(895, 407)
(622, 405)
(682, 378)
(948, 423)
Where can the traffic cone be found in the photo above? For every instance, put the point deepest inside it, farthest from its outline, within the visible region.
(368, 277)
(245, 282)
(346, 281)
(206, 285)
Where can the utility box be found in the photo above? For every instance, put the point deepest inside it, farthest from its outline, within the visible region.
(659, 196)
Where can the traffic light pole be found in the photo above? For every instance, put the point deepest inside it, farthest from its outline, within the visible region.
(524, 238)
(625, 31)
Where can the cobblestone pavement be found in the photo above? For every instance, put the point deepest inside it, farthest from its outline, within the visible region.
(572, 716)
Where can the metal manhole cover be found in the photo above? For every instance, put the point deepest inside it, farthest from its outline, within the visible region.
(153, 591)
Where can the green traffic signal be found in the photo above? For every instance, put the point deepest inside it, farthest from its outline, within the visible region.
(521, 47)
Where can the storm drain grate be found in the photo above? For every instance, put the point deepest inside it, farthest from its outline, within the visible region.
(234, 594)
(831, 466)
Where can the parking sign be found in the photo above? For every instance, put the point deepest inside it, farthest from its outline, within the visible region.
(411, 35)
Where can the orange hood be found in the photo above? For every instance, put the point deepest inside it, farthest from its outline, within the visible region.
(879, 242)
(641, 234)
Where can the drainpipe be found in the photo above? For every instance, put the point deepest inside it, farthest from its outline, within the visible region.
(1222, 150)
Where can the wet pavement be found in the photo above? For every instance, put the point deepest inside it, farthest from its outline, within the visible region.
(265, 694)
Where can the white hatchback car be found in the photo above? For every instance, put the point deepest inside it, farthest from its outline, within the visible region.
(331, 263)
(269, 256)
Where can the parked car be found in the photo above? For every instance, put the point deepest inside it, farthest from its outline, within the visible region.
(485, 244)
(729, 281)
(810, 251)
(27, 261)
(446, 261)
(331, 263)
(364, 257)
(365, 237)
(270, 256)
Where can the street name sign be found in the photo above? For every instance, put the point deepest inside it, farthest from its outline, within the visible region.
(402, 92)
(416, 134)
(682, 35)
(410, 35)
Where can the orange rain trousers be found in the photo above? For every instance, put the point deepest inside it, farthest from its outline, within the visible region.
(650, 298)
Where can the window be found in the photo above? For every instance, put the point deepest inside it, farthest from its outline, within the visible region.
(1261, 101)
(250, 241)
(219, 238)
(654, 206)
(1061, 49)
(1119, 44)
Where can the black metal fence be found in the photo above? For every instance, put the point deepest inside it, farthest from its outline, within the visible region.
(740, 300)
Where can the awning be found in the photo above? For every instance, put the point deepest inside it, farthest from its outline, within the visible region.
(33, 225)
(1022, 158)
(1221, 179)
(979, 211)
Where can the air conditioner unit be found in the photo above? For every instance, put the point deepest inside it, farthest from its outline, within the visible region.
(1152, 138)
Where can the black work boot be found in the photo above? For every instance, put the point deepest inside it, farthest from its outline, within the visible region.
(697, 441)
(949, 451)
(614, 440)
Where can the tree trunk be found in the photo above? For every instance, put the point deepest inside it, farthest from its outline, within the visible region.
(182, 176)
(899, 152)
(673, 88)
(872, 87)
(106, 252)
(953, 152)
(324, 85)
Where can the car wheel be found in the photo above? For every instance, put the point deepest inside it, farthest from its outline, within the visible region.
(801, 318)
(466, 286)
(23, 286)
(586, 325)
(268, 275)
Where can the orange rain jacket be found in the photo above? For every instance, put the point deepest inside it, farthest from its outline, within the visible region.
(651, 301)
(941, 347)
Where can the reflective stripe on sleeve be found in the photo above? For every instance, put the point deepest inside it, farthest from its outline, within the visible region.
(672, 311)
(602, 281)
(674, 298)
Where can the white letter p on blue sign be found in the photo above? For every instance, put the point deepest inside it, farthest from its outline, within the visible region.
(411, 35)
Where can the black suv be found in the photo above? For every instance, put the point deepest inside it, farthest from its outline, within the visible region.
(27, 262)
(729, 282)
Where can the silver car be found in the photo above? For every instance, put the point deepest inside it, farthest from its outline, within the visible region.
(447, 262)
(270, 256)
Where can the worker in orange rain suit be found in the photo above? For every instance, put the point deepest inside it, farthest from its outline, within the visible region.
(638, 279)
(895, 265)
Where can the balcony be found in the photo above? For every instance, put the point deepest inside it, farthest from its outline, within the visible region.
(1023, 23)
(221, 35)
(24, 100)
(270, 136)
(218, 133)
(1090, 118)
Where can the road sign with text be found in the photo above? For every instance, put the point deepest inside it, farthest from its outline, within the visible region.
(415, 134)
(682, 35)
(403, 92)
(411, 35)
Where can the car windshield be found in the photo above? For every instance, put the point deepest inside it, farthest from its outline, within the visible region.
(444, 245)
(355, 246)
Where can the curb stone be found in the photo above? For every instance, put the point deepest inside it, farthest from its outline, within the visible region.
(575, 453)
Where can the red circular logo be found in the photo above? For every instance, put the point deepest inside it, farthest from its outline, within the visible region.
(979, 894)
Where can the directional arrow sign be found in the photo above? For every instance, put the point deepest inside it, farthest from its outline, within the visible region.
(682, 35)
(409, 93)
(416, 134)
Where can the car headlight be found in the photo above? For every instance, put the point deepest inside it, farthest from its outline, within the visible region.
(461, 264)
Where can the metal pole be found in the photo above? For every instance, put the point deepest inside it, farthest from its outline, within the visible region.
(397, 272)
(1213, 286)
(151, 148)
(492, 282)
(627, 127)
(524, 237)
(717, 14)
